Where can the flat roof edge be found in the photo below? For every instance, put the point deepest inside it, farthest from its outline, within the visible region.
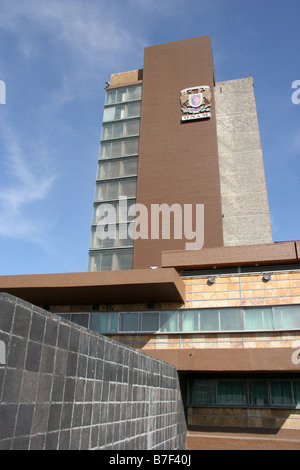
(273, 253)
(106, 287)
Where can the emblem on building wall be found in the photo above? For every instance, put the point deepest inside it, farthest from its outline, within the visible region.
(195, 103)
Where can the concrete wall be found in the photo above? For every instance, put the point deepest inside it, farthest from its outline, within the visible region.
(65, 387)
(245, 208)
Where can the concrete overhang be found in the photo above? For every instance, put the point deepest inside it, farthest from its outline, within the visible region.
(273, 253)
(106, 287)
(229, 360)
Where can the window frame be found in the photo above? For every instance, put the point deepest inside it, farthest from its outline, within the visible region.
(247, 404)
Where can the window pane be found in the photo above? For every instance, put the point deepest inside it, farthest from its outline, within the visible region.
(112, 190)
(281, 393)
(102, 170)
(66, 316)
(169, 321)
(230, 319)
(128, 188)
(231, 393)
(203, 392)
(268, 318)
(106, 261)
(107, 132)
(100, 194)
(134, 109)
(123, 260)
(287, 317)
(109, 114)
(94, 241)
(127, 256)
(110, 97)
(134, 92)
(94, 262)
(115, 169)
(80, 319)
(131, 146)
(190, 320)
(99, 322)
(120, 112)
(105, 150)
(254, 319)
(296, 387)
(118, 130)
(110, 206)
(108, 170)
(114, 320)
(209, 320)
(129, 167)
(129, 321)
(199, 392)
(116, 149)
(121, 95)
(131, 127)
(150, 321)
(258, 393)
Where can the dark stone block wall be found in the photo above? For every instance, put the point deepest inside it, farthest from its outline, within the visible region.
(66, 387)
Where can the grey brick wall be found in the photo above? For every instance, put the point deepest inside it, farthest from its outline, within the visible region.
(65, 387)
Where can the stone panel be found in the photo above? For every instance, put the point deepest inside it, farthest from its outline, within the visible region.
(65, 387)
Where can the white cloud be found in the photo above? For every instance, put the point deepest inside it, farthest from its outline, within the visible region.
(24, 184)
(92, 30)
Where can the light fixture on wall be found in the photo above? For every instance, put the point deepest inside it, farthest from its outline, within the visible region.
(211, 280)
(267, 277)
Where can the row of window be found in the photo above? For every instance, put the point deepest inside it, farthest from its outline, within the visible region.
(120, 95)
(117, 168)
(194, 320)
(125, 111)
(256, 393)
(117, 236)
(108, 190)
(120, 213)
(107, 261)
(120, 148)
(116, 130)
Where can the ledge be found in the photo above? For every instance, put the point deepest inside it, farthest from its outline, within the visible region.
(228, 360)
(106, 287)
(273, 253)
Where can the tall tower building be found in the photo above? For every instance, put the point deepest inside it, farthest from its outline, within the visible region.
(181, 187)
(174, 138)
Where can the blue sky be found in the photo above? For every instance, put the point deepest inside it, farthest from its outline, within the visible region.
(55, 57)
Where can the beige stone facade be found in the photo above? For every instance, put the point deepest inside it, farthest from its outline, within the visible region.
(243, 290)
(244, 417)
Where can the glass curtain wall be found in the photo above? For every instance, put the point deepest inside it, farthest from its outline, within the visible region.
(111, 247)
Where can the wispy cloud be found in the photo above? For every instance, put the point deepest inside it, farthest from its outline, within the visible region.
(80, 39)
(24, 185)
(94, 30)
